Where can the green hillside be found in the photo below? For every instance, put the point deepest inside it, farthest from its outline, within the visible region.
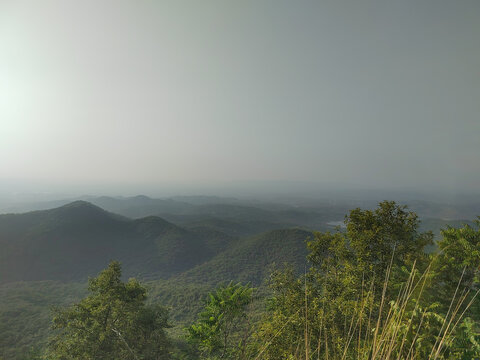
(47, 256)
(250, 260)
(77, 240)
(25, 313)
(71, 242)
(232, 227)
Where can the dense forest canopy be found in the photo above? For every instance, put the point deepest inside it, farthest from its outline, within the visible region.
(371, 290)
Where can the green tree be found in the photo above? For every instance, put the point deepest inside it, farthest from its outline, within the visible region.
(372, 292)
(222, 328)
(113, 322)
(333, 304)
(459, 257)
(456, 271)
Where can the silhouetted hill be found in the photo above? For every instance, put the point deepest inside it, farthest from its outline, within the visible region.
(255, 216)
(79, 239)
(141, 206)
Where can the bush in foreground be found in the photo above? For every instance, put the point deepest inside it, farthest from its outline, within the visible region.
(372, 292)
(113, 322)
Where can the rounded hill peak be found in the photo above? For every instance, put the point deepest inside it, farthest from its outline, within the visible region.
(80, 203)
(81, 210)
(80, 206)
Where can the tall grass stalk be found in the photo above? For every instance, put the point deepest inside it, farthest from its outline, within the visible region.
(396, 331)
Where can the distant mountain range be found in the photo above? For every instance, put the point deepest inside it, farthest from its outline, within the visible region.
(77, 240)
(180, 247)
(307, 211)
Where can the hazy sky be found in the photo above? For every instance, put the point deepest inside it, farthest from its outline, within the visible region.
(370, 93)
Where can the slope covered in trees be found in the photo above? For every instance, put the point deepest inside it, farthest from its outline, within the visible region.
(76, 240)
(250, 259)
(343, 271)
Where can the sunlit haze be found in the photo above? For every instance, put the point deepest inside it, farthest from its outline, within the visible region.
(139, 95)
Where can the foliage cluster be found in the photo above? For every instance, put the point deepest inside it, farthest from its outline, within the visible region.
(371, 291)
(113, 322)
(222, 328)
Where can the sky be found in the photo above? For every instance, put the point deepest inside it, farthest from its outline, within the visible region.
(128, 95)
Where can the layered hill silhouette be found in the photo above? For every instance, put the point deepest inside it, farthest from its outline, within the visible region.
(229, 215)
(46, 255)
(78, 239)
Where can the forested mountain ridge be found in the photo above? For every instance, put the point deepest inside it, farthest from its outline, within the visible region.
(59, 248)
(251, 259)
(180, 262)
(76, 240)
(256, 215)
